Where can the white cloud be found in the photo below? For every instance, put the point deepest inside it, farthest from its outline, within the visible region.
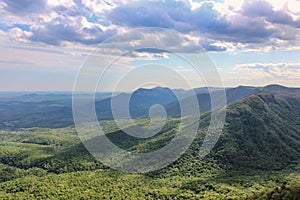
(67, 3)
(271, 70)
(221, 23)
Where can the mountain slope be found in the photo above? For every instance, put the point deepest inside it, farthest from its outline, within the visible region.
(261, 132)
(204, 99)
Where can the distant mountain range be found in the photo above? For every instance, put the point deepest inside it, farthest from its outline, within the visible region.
(55, 109)
(142, 99)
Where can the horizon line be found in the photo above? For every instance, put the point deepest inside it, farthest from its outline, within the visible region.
(83, 91)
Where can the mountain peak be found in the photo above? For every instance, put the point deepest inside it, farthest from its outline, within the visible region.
(155, 89)
(280, 88)
(275, 87)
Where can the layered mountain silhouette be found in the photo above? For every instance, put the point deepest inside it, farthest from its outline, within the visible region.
(142, 99)
(55, 110)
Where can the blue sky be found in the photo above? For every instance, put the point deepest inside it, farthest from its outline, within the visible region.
(44, 43)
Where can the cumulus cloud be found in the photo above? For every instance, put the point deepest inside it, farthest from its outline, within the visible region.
(21, 7)
(168, 14)
(210, 46)
(257, 23)
(63, 30)
(260, 8)
(203, 21)
(155, 41)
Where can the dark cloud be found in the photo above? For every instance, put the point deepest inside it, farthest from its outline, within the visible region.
(167, 14)
(67, 26)
(154, 41)
(21, 7)
(205, 21)
(245, 30)
(143, 14)
(257, 23)
(260, 8)
(61, 29)
(284, 26)
(53, 34)
(67, 11)
(151, 50)
(76, 10)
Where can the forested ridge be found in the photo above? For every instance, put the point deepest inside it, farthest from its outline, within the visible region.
(256, 157)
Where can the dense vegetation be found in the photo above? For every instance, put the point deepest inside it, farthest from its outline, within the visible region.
(52, 163)
(256, 157)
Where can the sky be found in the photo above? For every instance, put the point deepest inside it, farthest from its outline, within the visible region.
(44, 44)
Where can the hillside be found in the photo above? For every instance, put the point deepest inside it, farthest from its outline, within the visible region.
(204, 99)
(256, 157)
(261, 132)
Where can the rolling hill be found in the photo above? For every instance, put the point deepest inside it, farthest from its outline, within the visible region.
(256, 157)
